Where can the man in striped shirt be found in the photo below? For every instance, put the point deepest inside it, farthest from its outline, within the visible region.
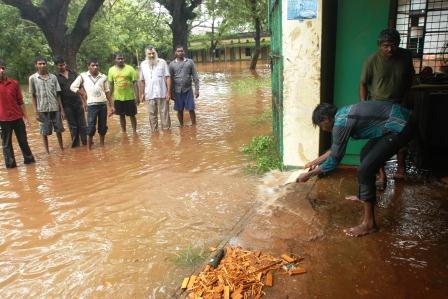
(384, 124)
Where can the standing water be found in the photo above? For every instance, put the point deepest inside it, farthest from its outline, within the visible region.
(125, 221)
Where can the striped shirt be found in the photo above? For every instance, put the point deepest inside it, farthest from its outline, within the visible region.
(45, 90)
(365, 120)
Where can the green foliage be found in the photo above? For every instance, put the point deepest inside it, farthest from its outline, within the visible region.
(189, 257)
(249, 85)
(123, 25)
(263, 153)
(262, 118)
(21, 42)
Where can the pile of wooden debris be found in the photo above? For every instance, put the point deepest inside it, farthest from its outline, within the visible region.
(241, 274)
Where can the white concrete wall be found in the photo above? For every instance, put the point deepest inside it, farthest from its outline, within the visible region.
(301, 86)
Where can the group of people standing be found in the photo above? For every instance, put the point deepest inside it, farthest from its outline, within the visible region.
(381, 118)
(68, 95)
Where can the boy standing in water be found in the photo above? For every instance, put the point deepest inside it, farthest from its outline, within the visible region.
(44, 89)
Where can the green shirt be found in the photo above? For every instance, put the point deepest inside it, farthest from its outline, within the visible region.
(122, 80)
(388, 78)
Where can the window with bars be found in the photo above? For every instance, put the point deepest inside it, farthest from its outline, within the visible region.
(423, 26)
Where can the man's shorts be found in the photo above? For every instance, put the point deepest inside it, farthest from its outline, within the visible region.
(49, 121)
(128, 107)
(184, 100)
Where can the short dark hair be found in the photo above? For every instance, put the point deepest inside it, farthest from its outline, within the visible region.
(58, 60)
(179, 46)
(389, 35)
(92, 60)
(2, 62)
(116, 54)
(40, 58)
(149, 47)
(323, 111)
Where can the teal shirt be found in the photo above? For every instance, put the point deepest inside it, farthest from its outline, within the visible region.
(365, 120)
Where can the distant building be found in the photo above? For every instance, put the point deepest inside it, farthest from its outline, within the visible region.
(234, 47)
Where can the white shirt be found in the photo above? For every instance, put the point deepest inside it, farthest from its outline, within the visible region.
(95, 87)
(154, 77)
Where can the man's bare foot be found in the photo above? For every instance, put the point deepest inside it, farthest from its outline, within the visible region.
(360, 230)
(353, 198)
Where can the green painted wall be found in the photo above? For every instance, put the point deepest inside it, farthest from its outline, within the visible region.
(358, 25)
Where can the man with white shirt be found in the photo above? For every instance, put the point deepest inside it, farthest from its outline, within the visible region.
(155, 87)
(95, 93)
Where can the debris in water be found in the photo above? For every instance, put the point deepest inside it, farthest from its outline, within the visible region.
(241, 274)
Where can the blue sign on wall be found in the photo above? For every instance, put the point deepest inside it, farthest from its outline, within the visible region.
(302, 9)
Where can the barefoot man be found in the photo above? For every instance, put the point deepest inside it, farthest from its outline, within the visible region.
(384, 124)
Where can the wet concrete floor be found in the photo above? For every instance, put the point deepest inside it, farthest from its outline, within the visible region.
(127, 220)
(407, 258)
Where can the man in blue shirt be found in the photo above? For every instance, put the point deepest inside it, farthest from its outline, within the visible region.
(384, 124)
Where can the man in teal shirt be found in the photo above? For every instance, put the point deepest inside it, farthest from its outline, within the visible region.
(123, 84)
(384, 124)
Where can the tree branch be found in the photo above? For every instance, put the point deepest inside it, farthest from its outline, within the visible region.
(82, 25)
(27, 10)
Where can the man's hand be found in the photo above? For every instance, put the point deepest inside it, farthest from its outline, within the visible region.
(304, 177)
(142, 98)
(62, 114)
(137, 101)
(112, 111)
(168, 97)
(26, 121)
(196, 94)
(38, 116)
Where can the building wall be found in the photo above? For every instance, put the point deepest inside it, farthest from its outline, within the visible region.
(301, 84)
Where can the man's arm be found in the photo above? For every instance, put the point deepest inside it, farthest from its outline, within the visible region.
(362, 91)
(136, 93)
(32, 91)
(194, 73)
(168, 88)
(366, 76)
(61, 109)
(111, 87)
(142, 91)
(109, 98)
(318, 160)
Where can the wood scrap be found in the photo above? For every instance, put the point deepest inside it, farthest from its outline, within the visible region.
(185, 283)
(240, 274)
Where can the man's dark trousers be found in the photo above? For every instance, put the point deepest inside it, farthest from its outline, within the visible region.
(76, 123)
(18, 126)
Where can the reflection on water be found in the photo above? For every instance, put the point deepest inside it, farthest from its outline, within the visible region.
(107, 223)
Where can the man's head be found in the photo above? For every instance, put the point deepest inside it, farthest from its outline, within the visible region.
(40, 63)
(151, 53)
(323, 116)
(59, 62)
(119, 59)
(2, 70)
(388, 41)
(179, 52)
(93, 66)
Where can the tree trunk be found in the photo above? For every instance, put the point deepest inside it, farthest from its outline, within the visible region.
(51, 17)
(257, 25)
(181, 14)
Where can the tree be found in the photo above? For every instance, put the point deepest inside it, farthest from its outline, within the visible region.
(51, 17)
(181, 12)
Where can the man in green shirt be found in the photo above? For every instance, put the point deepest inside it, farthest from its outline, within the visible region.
(387, 76)
(123, 84)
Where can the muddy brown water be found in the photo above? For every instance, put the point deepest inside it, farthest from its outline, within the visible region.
(110, 222)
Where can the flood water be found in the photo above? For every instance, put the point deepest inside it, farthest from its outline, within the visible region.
(110, 222)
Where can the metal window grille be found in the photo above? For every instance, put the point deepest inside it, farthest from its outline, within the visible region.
(423, 26)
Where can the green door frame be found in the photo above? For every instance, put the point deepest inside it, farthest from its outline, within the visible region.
(275, 27)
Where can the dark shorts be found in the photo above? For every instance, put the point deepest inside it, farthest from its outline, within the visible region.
(128, 108)
(184, 100)
(50, 121)
(96, 114)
